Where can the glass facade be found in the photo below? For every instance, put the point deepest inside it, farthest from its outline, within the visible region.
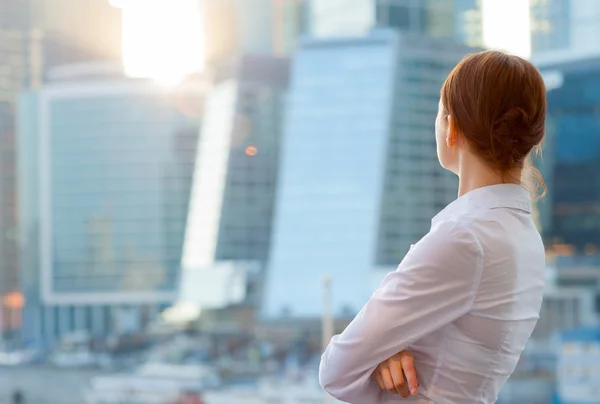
(572, 207)
(29, 196)
(254, 24)
(67, 38)
(232, 201)
(249, 193)
(468, 26)
(257, 27)
(330, 179)
(359, 179)
(105, 175)
(458, 19)
(550, 25)
(336, 18)
(564, 27)
(416, 186)
(422, 17)
(119, 189)
(14, 72)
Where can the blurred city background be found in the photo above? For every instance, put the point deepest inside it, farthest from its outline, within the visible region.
(195, 194)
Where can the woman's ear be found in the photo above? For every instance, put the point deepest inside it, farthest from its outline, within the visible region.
(451, 135)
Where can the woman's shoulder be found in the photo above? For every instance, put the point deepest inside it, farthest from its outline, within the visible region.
(450, 240)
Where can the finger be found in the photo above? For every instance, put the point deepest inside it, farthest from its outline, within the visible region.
(387, 380)
(398, 378)
(408, 366)
(379, 380)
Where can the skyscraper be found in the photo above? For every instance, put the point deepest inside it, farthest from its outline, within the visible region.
(260, 27)
(14, 74)
(468, 22)
(67, 36)
(35, 34)
(360, 179)
(229, 225)
(564, 28)
(572, 155)
(105, 172)
(237, 165)
(459, 19)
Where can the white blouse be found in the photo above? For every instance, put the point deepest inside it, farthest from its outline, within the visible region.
(464, 300)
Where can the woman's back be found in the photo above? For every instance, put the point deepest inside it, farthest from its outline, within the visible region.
(476, 353)
(464, 301)
(467, 296)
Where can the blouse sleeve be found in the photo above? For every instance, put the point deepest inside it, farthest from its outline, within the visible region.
(434, 285)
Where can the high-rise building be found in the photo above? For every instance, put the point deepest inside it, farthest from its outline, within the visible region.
(105, 170)
(229, 225)
(236, 170)
(35, 34)
(14, 75)
(570, 214)
(262, 27)
(468, 22)
(564, 28)
(459, 19)
(237, 166)
(291, 19)
(67, 36)
(359, 179)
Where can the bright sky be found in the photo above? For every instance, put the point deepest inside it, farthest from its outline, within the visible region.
(506, 26)
(162, 39)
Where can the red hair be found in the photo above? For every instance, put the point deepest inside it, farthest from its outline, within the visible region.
(498, 104)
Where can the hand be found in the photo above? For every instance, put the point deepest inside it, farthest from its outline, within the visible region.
(390, 375)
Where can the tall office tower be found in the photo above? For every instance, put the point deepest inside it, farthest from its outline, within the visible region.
(77, 32)
(237, 165)
(564, 28)
(359, 179)
(34, 34)
(264, 27)
(468, 22)
(459, 19)
(572, 155)
(105, 170)
(14, 74)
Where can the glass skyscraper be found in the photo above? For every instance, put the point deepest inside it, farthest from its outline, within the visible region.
(237, 167)
(468, 22)
(235, 28)
(14, 74)
(564, 28)
(359, 179)
(571, 211)
(458, 19)
(550, 25)
(34, 34)
(229, 226)
(66, 38)
(105, 169)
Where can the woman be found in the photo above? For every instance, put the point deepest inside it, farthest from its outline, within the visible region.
(465, 299)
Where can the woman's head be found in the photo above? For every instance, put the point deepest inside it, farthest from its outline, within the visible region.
(492, 106)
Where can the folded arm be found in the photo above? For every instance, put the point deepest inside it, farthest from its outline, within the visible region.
(434, 285)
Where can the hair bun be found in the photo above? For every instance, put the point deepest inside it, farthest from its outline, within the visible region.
(514, 137)
(511, 123)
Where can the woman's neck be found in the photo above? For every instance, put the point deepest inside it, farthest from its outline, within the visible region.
(474, 173)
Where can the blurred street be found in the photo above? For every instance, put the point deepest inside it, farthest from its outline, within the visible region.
(45, 385)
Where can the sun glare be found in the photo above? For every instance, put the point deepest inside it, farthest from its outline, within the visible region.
(506, 26)
(162, 39)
